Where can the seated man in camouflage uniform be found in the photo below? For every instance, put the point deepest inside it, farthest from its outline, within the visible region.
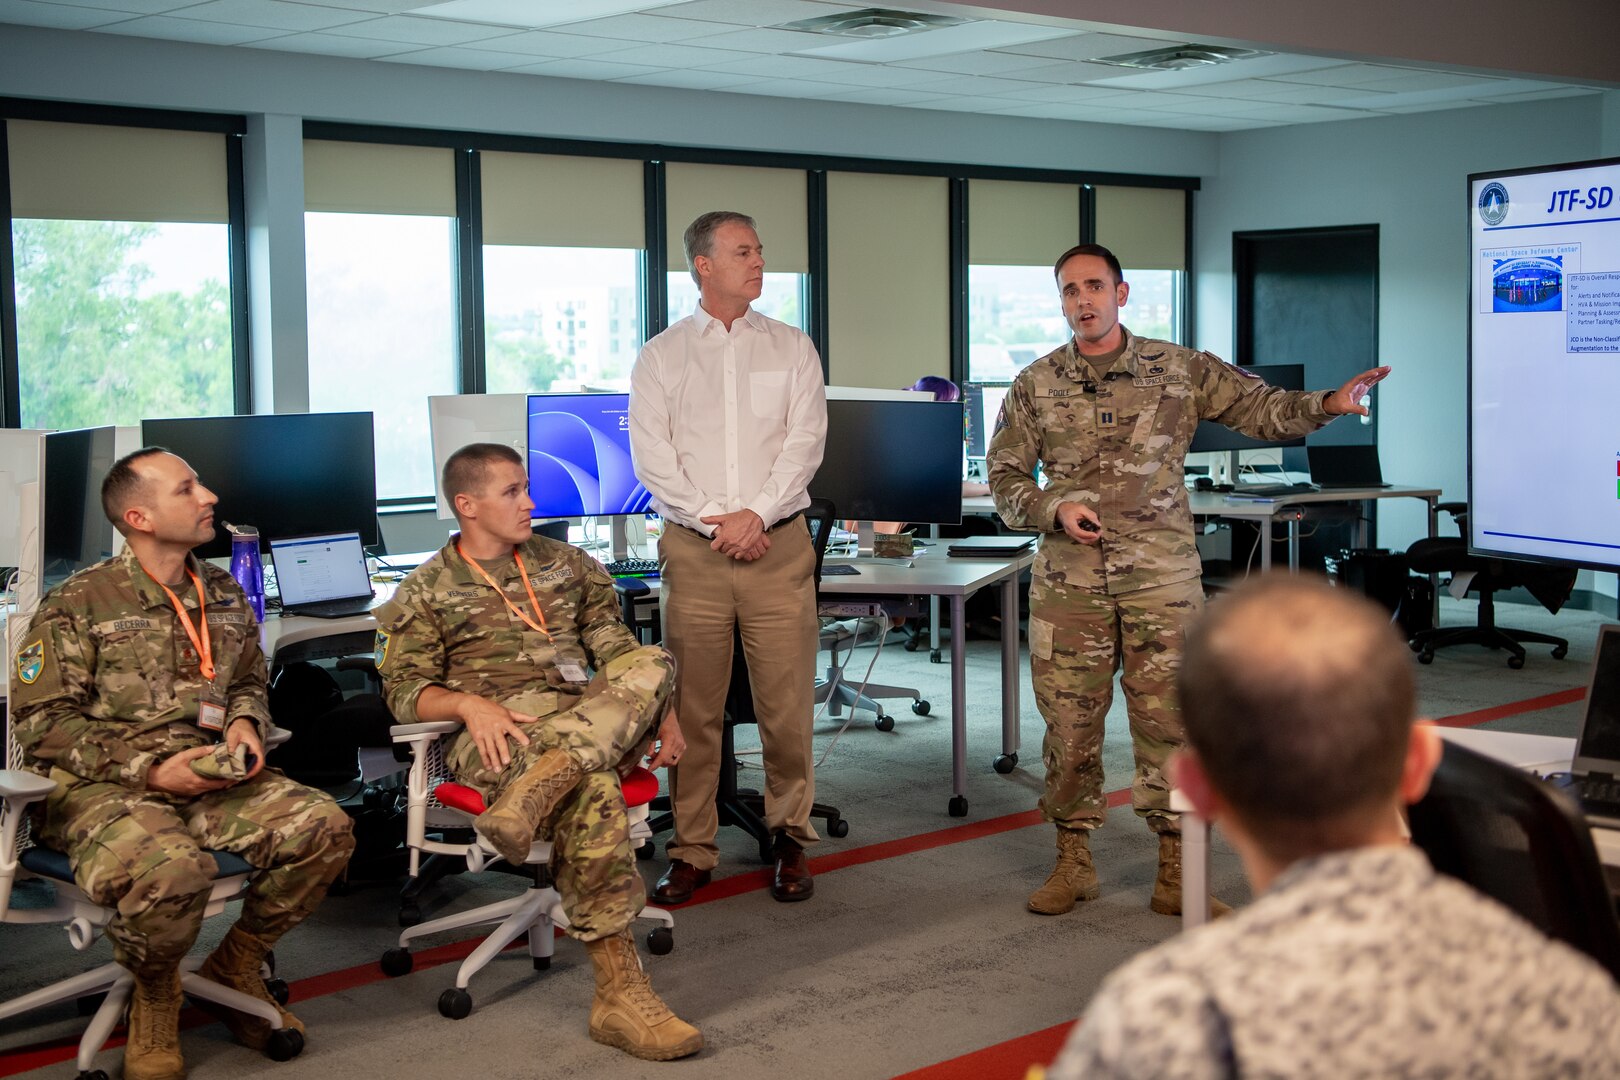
(1356, 959)
(141, 692)
(496, 631)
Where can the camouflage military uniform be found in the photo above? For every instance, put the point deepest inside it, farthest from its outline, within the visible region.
(446, 627)
(1118, 449)
(109, 685)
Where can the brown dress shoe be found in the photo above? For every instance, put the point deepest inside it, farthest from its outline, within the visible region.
(792, 878)
(679, 882)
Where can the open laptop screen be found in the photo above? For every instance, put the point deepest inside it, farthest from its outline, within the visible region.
(310, 569)
(1599, 746)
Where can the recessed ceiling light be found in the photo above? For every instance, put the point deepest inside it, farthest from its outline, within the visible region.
(873, 23)
(1178, 57)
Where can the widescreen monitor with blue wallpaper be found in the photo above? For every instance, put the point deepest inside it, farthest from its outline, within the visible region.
(579, 456)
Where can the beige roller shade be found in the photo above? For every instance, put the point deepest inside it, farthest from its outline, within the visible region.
(888, 279)
(774, 198)
(1145, 227)
(377, 178)
(1017, 223)
(95, 172)
(544, 200)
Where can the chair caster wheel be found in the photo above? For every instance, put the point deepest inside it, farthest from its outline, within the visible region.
(921, 708)
(646, 851)
(94, 1074)
(1415, 646)
(409, 914)
(837, 827)
(1515, 662)
(1426, 656)
(935, 657)
(957, 807)
(541, 963)
(661, 941)
(278, 990)
(1005, 763)
(913, 645)
(396, 962)
(284, 1045)
(455, 1004)
(884, 723)
(1560, 651)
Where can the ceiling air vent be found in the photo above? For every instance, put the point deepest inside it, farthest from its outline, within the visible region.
(1179, 57)
(873, 23)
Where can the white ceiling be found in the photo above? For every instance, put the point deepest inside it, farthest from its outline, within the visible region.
(1010, 64)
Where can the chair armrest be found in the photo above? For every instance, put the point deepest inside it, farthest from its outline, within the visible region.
(278, 736)
(420, 732)
(357, 663)
(1455, 509)
(24, 786)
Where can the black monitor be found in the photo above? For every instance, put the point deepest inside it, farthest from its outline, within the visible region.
(286, 474)
(1217, 437)
(579, 456)
(982, 402)
(73, 531)
(893, 461)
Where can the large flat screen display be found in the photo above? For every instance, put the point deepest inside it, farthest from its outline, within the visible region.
(579, 456)
(893, 461)
(1544, 364)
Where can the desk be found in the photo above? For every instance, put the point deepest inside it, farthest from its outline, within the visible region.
(1264, 511)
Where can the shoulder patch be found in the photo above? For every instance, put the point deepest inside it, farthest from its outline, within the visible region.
(31, 661)
(39, 672)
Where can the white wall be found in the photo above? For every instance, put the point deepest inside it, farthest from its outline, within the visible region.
(1408, 175)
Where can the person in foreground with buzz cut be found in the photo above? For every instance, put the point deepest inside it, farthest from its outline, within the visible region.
(1356, 959)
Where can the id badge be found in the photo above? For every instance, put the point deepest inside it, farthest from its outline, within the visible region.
(211, 711)
(573, 672)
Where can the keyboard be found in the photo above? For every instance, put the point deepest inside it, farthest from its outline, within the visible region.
(1600, 789)
(633, 567)
(333, 609)
(1272, 491)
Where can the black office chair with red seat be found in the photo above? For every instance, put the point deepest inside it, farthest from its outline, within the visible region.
(1551, 585)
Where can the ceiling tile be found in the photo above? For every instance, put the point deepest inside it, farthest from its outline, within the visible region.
(691, 80)
(1544, 95)
(964, 103)
(332, 45)
(1088, 46)
(756, 12)
(421, 31)
(1095, 114)
(585, 68)
(529, 13)
(128, 7)
(168, 28)
(1250, 68)
(1072, 72)
(639, 28)
(457, 57)
(968, 37)
(789, 88)
(881, 95)
(1266, 90)
(272, 13)
(1342, 75)
(378, 7)
(978, 63)
(548, 44)
(675, 56)
(1067, 95)
(57, 16)
(1436, 106)
(757, 40)
(1305, 114)
(1426, 80)
(980, 85)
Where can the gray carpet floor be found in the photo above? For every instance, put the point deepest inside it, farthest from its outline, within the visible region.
(899, 961)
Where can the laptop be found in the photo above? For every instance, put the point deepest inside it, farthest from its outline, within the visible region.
(324, 576)
(1594, 777)
(995, 546)
(1345, 467)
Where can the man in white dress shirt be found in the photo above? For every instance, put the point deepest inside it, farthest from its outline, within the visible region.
(728, 417)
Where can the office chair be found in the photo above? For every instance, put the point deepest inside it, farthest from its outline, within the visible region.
(23, 859)
(439, 824)
(1551, 585)
(1521, 842)
(843, 636)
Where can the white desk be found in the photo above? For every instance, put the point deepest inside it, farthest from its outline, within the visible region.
(1287, 508)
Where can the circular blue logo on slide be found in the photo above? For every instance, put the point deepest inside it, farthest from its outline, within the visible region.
(1493, 203)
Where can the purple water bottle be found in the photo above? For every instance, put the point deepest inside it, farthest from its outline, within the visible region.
(246, 567)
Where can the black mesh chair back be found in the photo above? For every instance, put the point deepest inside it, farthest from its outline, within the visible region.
(1523, 843)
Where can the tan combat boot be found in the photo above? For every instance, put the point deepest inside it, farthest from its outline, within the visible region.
(1167, 888)
(510, 825)
(235, 963)
(153, 1049)
(627, 1013)
(1074, 878)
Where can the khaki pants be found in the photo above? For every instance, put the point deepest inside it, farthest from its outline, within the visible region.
(705, 597)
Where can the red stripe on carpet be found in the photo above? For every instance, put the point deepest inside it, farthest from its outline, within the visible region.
(1008, 1060)
(51, 1053)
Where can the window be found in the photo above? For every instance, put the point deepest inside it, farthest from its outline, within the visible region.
(782, 298)
(1147, 229)
(379, 236)
(121, 248)
(1015, 231)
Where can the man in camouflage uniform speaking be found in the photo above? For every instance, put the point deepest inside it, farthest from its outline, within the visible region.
(1108, 418)
(497, 631)
(141, 692)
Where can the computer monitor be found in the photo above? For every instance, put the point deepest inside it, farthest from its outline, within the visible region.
(457, 420)
(73, 531)
(286, 474)
(1217, 437)
(893, 461)
(19, 465)
(982, 402)
(579, 456)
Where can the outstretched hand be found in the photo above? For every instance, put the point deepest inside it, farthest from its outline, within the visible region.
(1347, 398)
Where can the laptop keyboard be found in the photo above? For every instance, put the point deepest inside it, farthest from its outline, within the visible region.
(633, 567)
(328, 609)
(1599, 789)
(1272, 491)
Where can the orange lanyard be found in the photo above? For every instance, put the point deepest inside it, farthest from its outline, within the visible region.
(523, 572)
(200, 642)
